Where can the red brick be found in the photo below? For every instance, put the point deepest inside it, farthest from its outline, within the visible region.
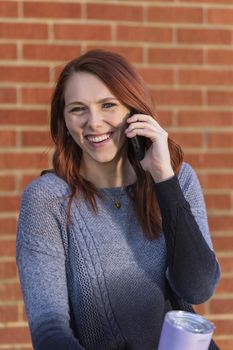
(218, 201)
(25, 318)
(7, 248)
(7, 270)
(8, 313)
(210, 160)
(177, 97)
(223, 243)
(220, 57)
(9, 203)
(8, 51)
(133, 54)
(50, 52)
(220, 140)
(8, 9)
(226, 264)
(37, 95)
(225, 285)
(23, 117)
(221, 306)
(36, 138)
(200, 309)
(175, 14)
(205, 77)
(218, 180)
(220, 16)
(7, 95)
(164, 118)
(51, 10)
(204, 36)
(7, 138)
(187, 139)
(24, 74)
(57, 72)
(82, 32)
(26, 179)
(212, 2)
(157, 76)
(10, 292)
(14, 335)
(7, 183)
(223, 326)
(24, 31)
(23, 160)
(205, 118)
(225, 344)
(175, 56)
(144, 34)
(220, 98)
(221, 223)
(115, 12)
(7, 226)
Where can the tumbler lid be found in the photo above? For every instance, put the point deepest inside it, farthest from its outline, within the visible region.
(190, 322)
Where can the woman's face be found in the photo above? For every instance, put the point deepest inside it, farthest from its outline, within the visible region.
(94, 117)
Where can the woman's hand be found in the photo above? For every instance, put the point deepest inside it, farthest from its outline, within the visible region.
(157, 158)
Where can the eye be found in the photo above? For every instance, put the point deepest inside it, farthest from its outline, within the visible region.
(78, 109)
(108, 105)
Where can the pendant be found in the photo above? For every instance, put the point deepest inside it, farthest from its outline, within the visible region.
(117, 204)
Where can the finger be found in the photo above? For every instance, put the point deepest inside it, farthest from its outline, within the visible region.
(151, 134)
(139, 117)
(143, 118)
(137, 125)
(145, 125)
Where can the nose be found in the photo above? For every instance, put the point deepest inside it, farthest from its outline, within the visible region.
(94, 119)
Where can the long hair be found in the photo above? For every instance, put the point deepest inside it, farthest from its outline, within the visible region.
(129, 88)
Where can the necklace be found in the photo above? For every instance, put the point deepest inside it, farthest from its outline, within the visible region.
(116, 201)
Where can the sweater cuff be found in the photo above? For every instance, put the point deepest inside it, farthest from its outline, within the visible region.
(168, 192)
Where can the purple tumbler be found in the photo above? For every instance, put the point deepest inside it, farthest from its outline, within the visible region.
(185, 331)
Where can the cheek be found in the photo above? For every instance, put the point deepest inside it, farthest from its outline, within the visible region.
(74, 130)
(72, 124)
(119, 123)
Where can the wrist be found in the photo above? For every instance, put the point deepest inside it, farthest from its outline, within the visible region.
(162, 175)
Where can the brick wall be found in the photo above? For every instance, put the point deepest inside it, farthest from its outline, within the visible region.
(184, 50)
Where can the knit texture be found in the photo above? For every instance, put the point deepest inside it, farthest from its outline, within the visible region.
(100, 284)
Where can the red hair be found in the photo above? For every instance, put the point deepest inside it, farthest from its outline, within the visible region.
(129, 88)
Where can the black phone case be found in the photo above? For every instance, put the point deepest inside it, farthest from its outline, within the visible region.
(138, 144)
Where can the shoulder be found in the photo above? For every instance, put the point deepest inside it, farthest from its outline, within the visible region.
(190, 184)
(187, 176)
(46, 188)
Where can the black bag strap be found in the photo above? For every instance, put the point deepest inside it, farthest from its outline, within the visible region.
(180, 304)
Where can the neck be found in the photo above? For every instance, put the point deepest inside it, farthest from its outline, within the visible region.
(116, 173)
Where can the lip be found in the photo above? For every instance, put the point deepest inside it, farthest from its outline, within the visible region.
(96, 135)
(99, 144)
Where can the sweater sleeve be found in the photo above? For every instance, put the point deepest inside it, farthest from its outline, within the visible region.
(41, 265)
(193, 271)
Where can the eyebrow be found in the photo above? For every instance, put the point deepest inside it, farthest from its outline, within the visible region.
(100, 101)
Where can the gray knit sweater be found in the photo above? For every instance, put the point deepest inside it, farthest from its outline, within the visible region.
(99, 284)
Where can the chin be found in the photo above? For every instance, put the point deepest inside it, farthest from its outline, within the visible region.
(105, 159)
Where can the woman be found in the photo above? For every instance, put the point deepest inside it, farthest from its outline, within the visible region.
(100, 235)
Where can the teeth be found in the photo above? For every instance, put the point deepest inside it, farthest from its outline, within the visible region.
(98, 138)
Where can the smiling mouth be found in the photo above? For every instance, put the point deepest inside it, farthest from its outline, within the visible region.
(100, 138)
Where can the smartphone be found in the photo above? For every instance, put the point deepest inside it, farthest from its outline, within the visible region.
(138, 144)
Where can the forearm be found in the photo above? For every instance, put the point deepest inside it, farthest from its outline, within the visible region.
(193, 269)
(54, 334)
